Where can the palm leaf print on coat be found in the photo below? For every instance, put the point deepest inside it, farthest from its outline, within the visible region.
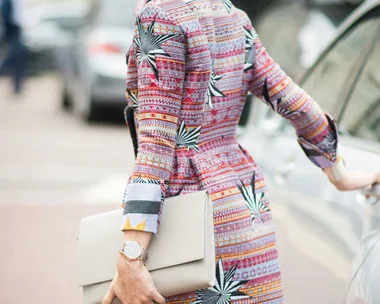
(253, 203)
(331, 144)
(224, 291)
(275, 105)
(188, 138)
(228, 5)
(140, 180)
(250, 50)
(331, 138)
(213, 91)
(134, 99)
(149, 45)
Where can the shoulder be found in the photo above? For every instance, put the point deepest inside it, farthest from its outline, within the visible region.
(174, 16)
(168, 10)
(246, 21)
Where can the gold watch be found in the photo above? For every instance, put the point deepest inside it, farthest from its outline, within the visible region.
(133, 250)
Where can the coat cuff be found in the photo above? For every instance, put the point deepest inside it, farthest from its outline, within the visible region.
(325, 154)
(142, 203)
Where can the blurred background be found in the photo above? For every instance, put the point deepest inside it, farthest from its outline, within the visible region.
(65, 152)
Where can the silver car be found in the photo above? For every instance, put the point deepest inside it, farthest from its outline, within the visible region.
(329, 241)
(94, 69)
(50, 28)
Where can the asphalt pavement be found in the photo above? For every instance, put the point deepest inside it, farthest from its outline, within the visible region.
(54, 170)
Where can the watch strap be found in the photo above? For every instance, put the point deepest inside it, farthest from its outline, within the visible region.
(144, 254)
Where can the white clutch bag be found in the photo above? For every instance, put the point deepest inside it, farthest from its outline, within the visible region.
(181, 258)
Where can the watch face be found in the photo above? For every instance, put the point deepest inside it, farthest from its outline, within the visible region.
(133, 250)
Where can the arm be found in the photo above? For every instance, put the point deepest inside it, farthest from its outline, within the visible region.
(156, 73)
(154, 88)
(317, 132)
(353, 180)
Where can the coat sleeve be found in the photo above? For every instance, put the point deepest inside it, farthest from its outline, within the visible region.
(156, 72)
(316, 131)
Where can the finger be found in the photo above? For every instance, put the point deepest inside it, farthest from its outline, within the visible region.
(110, 295)
(157, 298)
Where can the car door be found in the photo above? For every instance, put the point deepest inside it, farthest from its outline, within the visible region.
(364, 289)
(319, 229)
(360, 125)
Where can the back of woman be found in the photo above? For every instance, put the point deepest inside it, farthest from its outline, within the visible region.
(190, 69)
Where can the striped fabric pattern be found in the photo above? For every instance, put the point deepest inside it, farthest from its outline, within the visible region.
(190, 69)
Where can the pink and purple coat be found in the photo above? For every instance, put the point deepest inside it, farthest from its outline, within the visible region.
(190, 68)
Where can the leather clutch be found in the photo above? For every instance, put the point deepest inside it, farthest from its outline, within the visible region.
(181, 258)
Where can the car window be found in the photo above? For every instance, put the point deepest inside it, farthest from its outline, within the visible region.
(66, 23)
(361, 116)
(326, 80)
(116, 13)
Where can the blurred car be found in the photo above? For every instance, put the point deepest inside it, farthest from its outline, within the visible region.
(94, 69)
(312, 26)
(45, 21)
(365, 286)
(328, 239)
(311, 23)
(50, 26)
(255, 11)
(331, 2)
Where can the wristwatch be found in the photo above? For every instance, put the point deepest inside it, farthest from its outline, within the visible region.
(133, 250)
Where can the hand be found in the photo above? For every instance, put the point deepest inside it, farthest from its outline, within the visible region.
(132, 284)
(355, 180)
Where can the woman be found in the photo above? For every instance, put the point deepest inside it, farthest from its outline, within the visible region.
(16, 58)
(190, 68)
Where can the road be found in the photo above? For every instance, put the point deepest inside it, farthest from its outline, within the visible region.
(54, 169)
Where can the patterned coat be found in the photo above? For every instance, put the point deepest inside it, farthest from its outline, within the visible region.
(190, 68)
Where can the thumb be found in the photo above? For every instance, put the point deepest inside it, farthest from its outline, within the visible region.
(158, 298)
(110, 296)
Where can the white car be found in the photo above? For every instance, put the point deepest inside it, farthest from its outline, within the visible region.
(329, 241)
(94, 69)
(47, 25)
